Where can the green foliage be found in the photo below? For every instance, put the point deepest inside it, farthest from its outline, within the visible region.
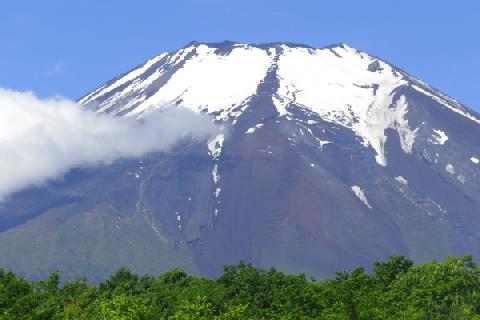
(396, 289)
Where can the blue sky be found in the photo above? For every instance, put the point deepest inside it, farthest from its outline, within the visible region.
(70, 47)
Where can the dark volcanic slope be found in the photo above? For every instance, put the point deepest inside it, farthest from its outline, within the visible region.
(328, 158)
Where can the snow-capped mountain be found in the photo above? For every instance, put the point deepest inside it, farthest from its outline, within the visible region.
(328, 158)
(338, 83)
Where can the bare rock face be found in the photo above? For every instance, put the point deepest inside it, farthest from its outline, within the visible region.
(327, 159)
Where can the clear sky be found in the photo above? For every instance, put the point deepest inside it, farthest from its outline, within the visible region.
(59, 47)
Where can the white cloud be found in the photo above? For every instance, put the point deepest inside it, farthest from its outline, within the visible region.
(40, 140)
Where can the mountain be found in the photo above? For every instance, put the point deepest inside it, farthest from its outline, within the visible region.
(326, 159)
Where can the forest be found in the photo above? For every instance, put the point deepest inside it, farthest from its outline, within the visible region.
(394, 289)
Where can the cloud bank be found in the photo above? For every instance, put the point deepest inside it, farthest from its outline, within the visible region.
(41, 139)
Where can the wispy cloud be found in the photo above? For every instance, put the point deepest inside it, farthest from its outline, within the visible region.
(41, 140)
(56, 69)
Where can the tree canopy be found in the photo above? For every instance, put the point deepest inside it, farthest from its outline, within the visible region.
(395, 289)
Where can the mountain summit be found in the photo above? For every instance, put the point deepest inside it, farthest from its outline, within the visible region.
(328, 158)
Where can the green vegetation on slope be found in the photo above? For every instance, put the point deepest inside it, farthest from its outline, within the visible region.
(396, 289)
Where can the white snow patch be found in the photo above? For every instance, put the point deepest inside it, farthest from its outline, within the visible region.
(439, 207)
(253, 129)
(215, 146)
(450, 169)
(340, 90)
(283, 97)
(217, 192)
(213, 81)
(401, 180)
(361, 195)
(128, 77)
(178, 216)
(438, 137)
(136, 89)
(475, 160)
(323, 142)
(320, 141)
(407, 136)
(215, 174)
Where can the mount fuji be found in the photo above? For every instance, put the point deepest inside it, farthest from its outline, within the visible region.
(326, 158)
